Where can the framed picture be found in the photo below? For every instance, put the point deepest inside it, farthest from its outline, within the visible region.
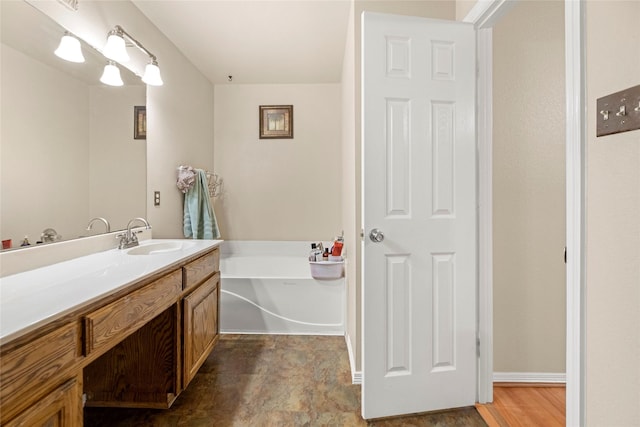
(140, 122)
(276, 121)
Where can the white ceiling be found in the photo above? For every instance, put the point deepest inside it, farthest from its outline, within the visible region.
(258, 41)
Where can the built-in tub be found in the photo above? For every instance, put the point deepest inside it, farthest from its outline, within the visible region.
(267, 288)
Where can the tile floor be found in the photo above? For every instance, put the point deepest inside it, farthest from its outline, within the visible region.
(272, 380)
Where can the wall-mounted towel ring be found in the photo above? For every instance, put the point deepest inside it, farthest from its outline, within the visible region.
(214, 182)
(187, 176)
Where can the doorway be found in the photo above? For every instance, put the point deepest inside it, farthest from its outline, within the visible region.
(485, 16)
(528, 194)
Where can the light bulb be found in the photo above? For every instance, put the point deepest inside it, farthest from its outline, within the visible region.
(111, 75)
(69, 49)
(116, 48)
(152, 74)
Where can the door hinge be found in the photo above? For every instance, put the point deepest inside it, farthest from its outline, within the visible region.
(478, 347)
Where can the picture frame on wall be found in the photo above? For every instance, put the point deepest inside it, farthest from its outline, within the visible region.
(276, 121)
(140, 122)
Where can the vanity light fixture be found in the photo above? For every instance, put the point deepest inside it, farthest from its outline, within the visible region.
(69, 49)
(115, 49)
(111, 75)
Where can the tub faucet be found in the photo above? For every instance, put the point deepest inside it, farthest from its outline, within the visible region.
(106, 224)
(50, 235)
(129, 238)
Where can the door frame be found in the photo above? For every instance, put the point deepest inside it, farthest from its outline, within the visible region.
(484, 15)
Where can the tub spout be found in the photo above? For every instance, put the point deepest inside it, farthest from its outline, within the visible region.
(104, 221)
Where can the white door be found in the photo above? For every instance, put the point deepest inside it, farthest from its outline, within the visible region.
(419, 177)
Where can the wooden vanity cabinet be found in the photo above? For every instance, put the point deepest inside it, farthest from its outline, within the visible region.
(200, 312)
(138, 335)
(157, 337)
(60, 408)
(41, 381)
(139, 349)
(201, 333)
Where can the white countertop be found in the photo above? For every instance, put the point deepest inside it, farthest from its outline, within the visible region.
(33, 298)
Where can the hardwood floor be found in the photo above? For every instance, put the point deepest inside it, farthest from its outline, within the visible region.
(519, 405)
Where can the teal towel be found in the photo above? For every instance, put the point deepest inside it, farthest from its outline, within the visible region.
(199, 218)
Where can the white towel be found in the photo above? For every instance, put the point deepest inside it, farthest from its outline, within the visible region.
(186, 178)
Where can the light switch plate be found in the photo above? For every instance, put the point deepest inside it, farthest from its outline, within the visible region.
(156, 198)
(618, 112)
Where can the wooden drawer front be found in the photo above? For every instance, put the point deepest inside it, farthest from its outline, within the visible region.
(62, 407)
(201, 325)
(31, 366)
(112, 323)
(196, 271)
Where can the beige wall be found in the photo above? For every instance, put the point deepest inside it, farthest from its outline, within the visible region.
(179, 114)
(529, 189)
(279, 189)
(351, 98)
(613, 223)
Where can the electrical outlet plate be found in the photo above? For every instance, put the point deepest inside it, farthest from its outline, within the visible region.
(156, 198)
(618, 112)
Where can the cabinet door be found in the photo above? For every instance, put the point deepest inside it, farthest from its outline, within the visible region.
(200, 325)
(62, 407)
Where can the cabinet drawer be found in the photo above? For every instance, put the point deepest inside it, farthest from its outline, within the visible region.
(196, 271)
(62, 407)
(112, 323)
(30, 367)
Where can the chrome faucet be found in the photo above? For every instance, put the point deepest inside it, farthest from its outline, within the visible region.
(50, 235)
(129, 238)
(106, 224)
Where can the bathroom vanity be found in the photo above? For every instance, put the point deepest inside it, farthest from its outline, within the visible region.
(113, 328)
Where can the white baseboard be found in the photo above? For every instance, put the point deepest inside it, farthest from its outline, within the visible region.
(356, 376)
(529, 377)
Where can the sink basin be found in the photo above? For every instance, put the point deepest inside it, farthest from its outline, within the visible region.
(158, 248)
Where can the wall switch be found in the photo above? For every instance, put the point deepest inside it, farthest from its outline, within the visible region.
(618, 112)
(156, 198)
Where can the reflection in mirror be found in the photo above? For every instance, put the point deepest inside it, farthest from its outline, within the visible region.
(68, 152)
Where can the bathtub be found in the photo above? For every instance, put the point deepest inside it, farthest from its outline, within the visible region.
(267, 288)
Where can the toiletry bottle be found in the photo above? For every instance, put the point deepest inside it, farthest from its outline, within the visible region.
(312, 254)
(325, 255)
(25, 242)
(337, 246)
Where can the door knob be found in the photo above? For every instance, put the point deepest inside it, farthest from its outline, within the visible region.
(376, 236)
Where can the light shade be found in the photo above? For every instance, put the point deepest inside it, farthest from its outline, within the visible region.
(69, 49)
(111, 75)
(115, 48)
(152, 74)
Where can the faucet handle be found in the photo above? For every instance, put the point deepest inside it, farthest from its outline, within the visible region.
(123, 240)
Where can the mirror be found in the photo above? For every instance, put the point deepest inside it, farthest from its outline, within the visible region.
(67, 147)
